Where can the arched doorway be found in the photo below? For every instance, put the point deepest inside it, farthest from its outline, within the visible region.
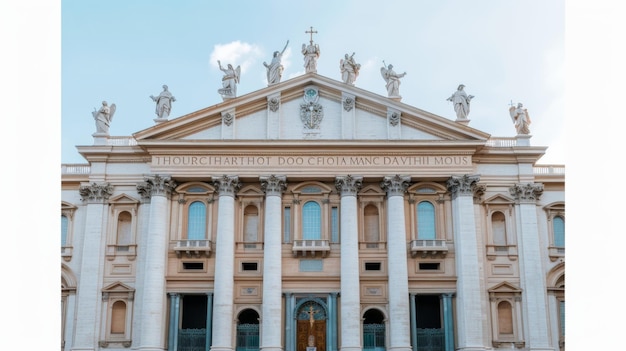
(311, 327)
(373, 330)
(248, 330)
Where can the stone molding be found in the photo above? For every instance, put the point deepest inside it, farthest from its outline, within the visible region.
(462, 185)
(526, 193)
(348, 103)
(96, 193)
(156, 185)
(348, 185)
(273, 185)
(395, 185)
(273, 103)
(226, 185)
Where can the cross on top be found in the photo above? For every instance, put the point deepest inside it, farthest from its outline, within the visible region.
(311, 32)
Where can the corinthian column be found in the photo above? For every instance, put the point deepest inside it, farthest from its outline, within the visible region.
(91, 267)
(399, 312)
(535, 297)
(348, 187)
(274, 186)
(224, 263)
(152, 315)
(468, 264)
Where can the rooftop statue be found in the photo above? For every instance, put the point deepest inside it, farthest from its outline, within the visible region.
(229, 80)
(393, 80)
(163, 103)
(349, 69)
(520, 118)
(275, 68)
(311, 54)
(461, 102)
(103, 117)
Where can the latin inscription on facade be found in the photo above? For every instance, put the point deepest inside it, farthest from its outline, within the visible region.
(273, 161)
(216, 163)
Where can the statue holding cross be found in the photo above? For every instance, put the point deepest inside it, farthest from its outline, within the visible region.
(311, 53)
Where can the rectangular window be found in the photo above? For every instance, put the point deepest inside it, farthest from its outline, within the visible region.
(249, 266)
(193, 265)
(429, 266)
(287, 225)
(334, 221)
(372, 266)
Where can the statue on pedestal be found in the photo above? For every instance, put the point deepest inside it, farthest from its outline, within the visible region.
(103, 117)
(229, 80)
(163, 103)
(311, 54)
(520, 118)
(275, 68)
(461, 102)
(392, 79)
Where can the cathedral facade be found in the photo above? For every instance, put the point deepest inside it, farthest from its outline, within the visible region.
(312, 215)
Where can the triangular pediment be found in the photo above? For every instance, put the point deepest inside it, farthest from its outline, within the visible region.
(118, 287)
(499, 199)
(123, 199)
(275, 113)
(504, 287)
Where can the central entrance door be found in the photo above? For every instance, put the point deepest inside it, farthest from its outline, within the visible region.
(311, 327)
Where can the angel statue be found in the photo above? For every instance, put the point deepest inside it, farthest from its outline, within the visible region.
(103, 117)
(392, 79)
(520, 118)
(229, 81)
(349, 69)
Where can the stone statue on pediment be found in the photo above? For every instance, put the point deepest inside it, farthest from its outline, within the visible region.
(349, 69)
(229, 80)
(520, 118)
(163, 103)
(275, 68)
(311, 53)
(392, 79)
(103, 117)
(461, 102)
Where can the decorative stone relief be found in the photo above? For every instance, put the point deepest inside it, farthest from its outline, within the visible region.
(394, 118)
(462, 185)
(348, 104)
(311, 112)
(273, 104)
(395, 185)
(96, 193)
(527, 193)
(479, 191)
(273, 185)
(227, 185)
(348, 185)
(156, 185)
(227, 118)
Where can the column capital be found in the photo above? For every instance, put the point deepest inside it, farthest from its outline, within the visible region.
(348, 185)
(273, 185)
(96, 193)
(226, 185)
(526, 193)
(395, 185)
(462, 185)
(156, 185)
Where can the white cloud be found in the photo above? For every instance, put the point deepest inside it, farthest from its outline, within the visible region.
(236, 53)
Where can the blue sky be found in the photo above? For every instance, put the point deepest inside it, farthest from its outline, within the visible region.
(502, 51)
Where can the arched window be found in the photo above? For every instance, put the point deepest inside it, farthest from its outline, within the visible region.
(558, 228)
(248, 330)
(124, 223)
(505, 319)
(371, 224)
(498, 227)
(373, 330)
(251, 224)
(196, 221)
(64, 226)
(426, 221)
(118, 318)
(311, 221)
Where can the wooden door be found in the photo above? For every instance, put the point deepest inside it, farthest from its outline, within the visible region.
(318, 331)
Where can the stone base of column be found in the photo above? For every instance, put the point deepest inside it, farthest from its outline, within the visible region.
(221, 348)
(400, 348)
(150, 348)
(350, 348)
(474, 348)
(271, 348)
